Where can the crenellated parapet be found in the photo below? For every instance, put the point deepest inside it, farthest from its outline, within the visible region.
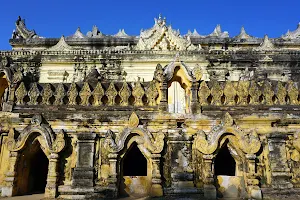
(244, 93)
(86, 94)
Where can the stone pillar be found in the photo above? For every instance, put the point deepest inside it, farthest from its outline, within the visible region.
(8, 106)
(156, 188)
(252, 181)
(112, 179)
(83, 176)
(210, 191)
(11, 176)
(163, 105)
(280, 173)
(194, 102)
(51, 187)
(182, 175)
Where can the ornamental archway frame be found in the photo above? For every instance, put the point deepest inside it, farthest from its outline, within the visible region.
(245, 144)
(147, 144)
(50, 143)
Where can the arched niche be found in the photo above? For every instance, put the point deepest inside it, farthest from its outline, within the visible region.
(229, 168)
(225, 164)
(179, 89)
(32, 168)
(50, 144)
(3, 87)
(135, 156)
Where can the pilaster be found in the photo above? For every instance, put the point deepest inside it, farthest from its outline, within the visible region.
(10, 179)
(163, 105)
(194, 102)
(210, 191)
(280, 173)
(51, 187)
(156, 188)
(83, 176)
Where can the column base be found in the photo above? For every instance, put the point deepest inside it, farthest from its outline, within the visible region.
(68, 192)
(83, 177)
(7, 107)
(255, 193)
(210, 192)
(50, 192)
(7, 191)
(156, 190)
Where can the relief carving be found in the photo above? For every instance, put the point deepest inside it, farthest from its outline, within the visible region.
(243, 92)
(158, 73)
(133, 121)
(59, 94)
(111, 94)
(85, 94)
(255, 93)
(47, 94)
(59, 143)
(203, 93)
(281, 93)
(72, 94)
(152, 93)
(293, 93)
(20, 93)
(268, 93)
(138, 93)
(98, 93)
(230, 92)
(216, 92)
(124, 93)
(34, 93)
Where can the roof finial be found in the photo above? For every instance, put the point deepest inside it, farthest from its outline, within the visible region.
(159, 16)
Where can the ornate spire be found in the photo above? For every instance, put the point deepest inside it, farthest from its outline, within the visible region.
(243, 34)
(193, 34)
(160, 21)
(292, 34)
(266, 44)
(78, 34)
(218, 32)
(121, 33)
(95, 33)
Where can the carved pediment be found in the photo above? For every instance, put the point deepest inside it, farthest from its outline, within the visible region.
(61, 46)
(163, 37)
(291, 35)
(266, 45)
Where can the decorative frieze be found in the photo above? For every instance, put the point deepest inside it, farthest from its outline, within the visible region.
(95, 95)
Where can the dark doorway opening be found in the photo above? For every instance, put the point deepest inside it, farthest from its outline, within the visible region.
(224, 163)
(32, 170)
(38, 172)
(134, 163)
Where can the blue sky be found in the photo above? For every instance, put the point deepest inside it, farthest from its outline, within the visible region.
(54, 18)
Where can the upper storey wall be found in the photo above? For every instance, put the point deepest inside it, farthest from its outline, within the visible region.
(117, 57)
(161, 37)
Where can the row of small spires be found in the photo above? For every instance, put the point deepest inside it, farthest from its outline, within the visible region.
(159, 23)
(216, 33)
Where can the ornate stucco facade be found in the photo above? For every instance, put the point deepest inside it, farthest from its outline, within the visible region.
(159, 114)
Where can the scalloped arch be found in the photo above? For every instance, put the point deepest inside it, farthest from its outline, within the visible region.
(44, 130)
(144, 134)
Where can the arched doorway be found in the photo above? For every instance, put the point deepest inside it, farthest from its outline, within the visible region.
(179, 92)
(229, 178)
(32, 169)
(135, 171)
(224, 163)
(3, 88)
